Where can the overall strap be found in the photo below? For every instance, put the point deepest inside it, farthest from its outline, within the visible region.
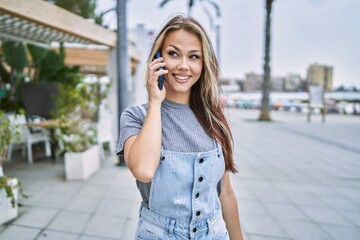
(218, 148)
(216, 145)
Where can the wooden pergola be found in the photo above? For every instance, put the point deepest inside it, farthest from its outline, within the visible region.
(95, 61)
(40, 22)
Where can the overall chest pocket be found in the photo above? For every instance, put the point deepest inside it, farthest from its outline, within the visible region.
(149, 231)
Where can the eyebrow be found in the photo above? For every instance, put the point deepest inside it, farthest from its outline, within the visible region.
(178, 49)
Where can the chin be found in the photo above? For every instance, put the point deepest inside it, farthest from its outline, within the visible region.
(181, 89)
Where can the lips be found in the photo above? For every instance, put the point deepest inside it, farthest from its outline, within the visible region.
(181, 78)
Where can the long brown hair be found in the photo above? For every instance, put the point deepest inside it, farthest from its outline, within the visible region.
(204, 96)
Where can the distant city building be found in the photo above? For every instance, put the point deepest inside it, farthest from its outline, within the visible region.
(277, 84)
(230, 85)
(293, 82)
(252, 82)
(321, 75)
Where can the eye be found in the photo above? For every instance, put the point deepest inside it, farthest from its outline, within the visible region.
(194, 57)
(172, 54)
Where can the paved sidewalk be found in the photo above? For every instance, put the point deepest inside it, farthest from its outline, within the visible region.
(296, 180)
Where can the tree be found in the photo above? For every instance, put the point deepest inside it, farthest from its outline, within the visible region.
(216, 7)
(266, 86)
(83, 8)
(191, 4)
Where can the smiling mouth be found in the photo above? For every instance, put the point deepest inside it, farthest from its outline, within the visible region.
(181, 79)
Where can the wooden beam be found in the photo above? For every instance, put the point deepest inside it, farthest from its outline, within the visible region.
(49, 15)
(84, 56)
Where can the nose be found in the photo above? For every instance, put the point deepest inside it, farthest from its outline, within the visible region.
(183, 64)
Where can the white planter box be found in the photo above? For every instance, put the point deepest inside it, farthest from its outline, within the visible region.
(7, 212)
(80, 165)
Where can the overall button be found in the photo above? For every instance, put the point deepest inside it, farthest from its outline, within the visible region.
(197, 195)
(198, 213)
(201, 179)
(194, 230)
(201, 160)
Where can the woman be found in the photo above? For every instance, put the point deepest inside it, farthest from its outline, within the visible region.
(179, 145)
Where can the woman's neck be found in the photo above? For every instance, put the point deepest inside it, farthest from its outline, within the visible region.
(182, 98)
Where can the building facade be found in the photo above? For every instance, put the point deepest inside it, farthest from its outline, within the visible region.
(320, 75)
(293, 82)
(277, 84)
(252, 82)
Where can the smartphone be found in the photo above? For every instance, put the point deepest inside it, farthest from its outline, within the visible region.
(161, 78)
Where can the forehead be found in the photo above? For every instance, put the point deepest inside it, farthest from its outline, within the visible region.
(182, 39)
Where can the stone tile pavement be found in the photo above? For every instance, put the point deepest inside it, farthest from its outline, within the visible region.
(296, 180)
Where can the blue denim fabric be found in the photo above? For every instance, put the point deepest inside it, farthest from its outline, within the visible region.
(184, 202)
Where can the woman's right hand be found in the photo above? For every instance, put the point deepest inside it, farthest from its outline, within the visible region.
(155, 94)
(142, 151)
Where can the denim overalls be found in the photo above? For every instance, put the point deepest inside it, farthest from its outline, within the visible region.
(184, 202)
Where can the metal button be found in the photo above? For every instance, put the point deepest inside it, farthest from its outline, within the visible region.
(194, 230)
(197, 195)
(198, 213)
(201, 160)
(162, 158)
(201, 179)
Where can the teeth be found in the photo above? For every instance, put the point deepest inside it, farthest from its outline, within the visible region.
(182, 77)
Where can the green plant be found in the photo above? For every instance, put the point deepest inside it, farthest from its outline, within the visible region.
(5, 135)
(12, 65)
(77, 109)
(5, 184)
(7, 130)
(42, 65)
(47, 65)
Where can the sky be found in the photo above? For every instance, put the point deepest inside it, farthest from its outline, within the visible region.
(303, 32)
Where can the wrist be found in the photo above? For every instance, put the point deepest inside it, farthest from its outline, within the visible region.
(155, 104)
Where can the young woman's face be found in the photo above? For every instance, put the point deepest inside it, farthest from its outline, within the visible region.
(183, 55)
